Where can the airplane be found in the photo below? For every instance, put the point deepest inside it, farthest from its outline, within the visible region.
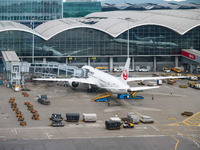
(114, 85)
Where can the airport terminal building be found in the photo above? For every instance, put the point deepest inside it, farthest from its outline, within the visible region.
(153, 38)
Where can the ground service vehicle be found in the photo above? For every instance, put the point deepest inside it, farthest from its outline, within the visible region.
(167, 70)
(187, 113)
(44, 100)
(128, 125)
(143, 70)
(177, 70)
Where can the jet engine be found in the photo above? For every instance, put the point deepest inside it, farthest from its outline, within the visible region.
(73, 84)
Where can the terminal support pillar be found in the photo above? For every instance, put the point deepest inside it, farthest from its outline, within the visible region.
(88, 61)
(44, 60)
(176, 61)
(197, 70)
(154, 63)
(110, 64)
(191, 68)
(133, 64)
(66, 61)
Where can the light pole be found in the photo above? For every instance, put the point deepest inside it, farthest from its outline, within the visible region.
(128, 38)
(33, 40)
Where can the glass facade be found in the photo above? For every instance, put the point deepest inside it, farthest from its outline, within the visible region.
(148, 40)
(80, 9)
(21, 10)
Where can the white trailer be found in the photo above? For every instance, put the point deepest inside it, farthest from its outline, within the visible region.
(89, 117)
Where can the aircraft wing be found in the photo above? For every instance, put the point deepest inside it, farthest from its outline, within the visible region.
(155, 78)
(80, 80)
(133, 89)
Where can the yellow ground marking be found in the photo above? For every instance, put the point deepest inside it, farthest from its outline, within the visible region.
(191, 121)
(174, 124)
(184, 135)
(169, 135)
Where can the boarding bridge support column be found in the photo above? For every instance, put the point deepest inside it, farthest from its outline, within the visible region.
(44, 60)
(154, 63)
(176, 61)
(88, 61)
(133, 63)
(110, 64)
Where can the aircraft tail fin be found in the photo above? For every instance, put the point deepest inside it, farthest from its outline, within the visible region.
(125, 73)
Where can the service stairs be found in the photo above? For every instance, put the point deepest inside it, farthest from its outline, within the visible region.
(102, 97)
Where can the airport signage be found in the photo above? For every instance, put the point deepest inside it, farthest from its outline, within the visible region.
(188, 55)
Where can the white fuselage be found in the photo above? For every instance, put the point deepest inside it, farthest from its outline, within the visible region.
(107, 81)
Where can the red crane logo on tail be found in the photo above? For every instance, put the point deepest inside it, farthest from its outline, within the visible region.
(125, 74)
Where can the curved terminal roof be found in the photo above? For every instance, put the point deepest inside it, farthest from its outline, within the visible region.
(114, 23)
(11, 25)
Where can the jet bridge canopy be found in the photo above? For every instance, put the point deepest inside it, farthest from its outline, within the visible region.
(191, 57)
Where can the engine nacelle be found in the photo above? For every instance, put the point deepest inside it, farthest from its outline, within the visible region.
(73, 84)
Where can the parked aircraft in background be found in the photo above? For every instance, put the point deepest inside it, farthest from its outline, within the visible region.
(146, 42)
(116, 85)
(149, 41)
(53, 52)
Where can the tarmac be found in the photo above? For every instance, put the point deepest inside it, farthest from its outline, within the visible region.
(171, 130)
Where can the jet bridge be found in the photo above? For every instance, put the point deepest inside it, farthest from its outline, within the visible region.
(12, 67)
(53, 69)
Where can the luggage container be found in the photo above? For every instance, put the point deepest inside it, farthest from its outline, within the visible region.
(113, 125)
(129, 114)
(89, 117)
(152, 84)
(116, 118)
(146, 119)
(72, 117)
(159, 82)
(133, 118)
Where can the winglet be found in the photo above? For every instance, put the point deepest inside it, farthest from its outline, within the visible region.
(125, 73)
